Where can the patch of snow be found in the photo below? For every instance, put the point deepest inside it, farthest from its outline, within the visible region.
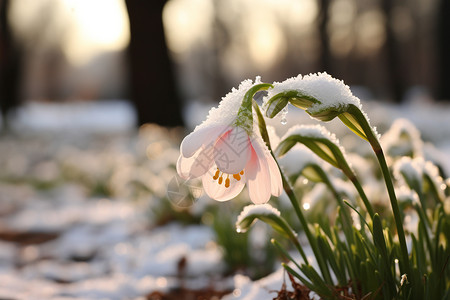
(99, 116)
(65, 272)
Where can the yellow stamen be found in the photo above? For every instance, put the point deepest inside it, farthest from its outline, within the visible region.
(216, 175)
(242, 172)
(227, 182)
(220, 179)
(237, 176)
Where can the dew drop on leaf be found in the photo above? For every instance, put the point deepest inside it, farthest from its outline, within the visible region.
(284, 112)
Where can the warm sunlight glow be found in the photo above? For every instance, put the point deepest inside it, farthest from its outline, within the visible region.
(265, 40)
(100, 25)
(187, 23)
(82, 28)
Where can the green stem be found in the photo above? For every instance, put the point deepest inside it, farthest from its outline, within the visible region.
(245, 116)
(363, 196)
(359, 124)
(347, 220)
(394, 204)
(290, 193)
(321, 262)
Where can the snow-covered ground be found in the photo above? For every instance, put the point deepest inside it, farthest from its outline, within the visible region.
(110, 246)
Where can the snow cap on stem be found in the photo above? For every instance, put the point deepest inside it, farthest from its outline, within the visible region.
(322, 96)
(319, 140)
(267, 214)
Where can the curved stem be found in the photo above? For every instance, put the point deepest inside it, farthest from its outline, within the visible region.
(363, 196)
(347, 220)
(394, 204)
(290, 193)
(312, 241)
(360, 122)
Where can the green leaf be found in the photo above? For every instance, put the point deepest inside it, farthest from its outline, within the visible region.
(350, 121)
(323, 147)
(244, 117)
(275, 104)
(262, 125)
(276, 222)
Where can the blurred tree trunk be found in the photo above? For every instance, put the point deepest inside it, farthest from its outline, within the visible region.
(153, 87)
(10, 58)
(443, 61)
(325, 58)
(395, 78)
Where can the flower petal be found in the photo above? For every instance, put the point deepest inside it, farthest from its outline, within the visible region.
(203, 136)
(196, 165)
(232, 151)
(218, 191)
(258, 176)
(276, 184)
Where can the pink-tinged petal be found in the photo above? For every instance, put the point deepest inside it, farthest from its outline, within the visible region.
(232, 151)
(258, 177)
(276, 184)
(218, 191)
(197, 165)
(203, 136)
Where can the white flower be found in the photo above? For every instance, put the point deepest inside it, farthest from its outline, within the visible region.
(227, 154)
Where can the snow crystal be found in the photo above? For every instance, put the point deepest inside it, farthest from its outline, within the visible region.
(257, 209)
(228, 108)
(331, 92)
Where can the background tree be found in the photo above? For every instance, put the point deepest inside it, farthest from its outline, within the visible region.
(152, 84)
(10, 58)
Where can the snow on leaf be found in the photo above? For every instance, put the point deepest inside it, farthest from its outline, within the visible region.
(229, 106)
(330, 92)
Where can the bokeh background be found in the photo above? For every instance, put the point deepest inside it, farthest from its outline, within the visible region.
(164, 55)
(96, 96)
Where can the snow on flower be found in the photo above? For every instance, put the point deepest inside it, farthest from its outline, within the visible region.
(227, 153)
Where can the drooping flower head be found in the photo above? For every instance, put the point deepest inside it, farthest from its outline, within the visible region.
(228, 153)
